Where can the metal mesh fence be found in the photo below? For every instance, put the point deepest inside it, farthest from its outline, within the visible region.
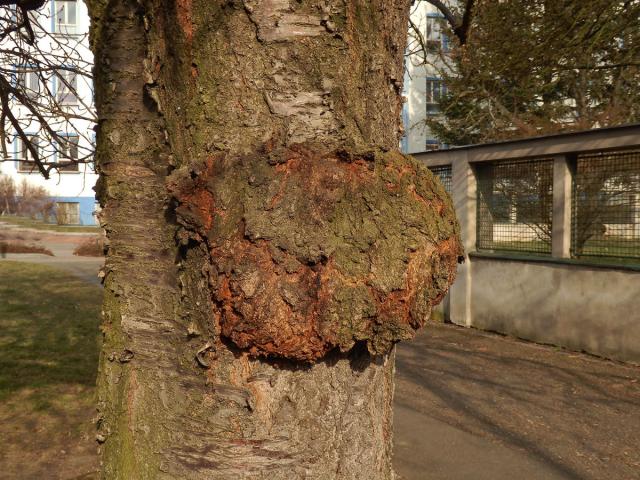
(606, 205)
(444, 175)
(515, 206)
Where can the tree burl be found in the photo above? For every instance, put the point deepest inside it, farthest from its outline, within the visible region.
(315, 251)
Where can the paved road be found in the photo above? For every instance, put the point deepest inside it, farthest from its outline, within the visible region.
(474, 405)
(62, 246)
(84, 267)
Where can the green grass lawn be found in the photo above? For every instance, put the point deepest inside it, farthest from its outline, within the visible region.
(48, 329)
(612, 250)
(613, 247)
(49, 343)
(39, 225)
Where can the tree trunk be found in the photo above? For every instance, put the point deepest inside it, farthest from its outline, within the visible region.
(242, 147)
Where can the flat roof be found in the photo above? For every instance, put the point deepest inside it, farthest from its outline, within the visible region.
(608, 138)
(620, 128)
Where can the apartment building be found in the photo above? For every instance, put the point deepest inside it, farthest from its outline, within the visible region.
(423, 85)
(54, 74)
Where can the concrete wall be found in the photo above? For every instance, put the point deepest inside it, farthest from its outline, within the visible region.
(583, 308)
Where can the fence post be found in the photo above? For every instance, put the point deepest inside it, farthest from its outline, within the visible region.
(464, 200)
(561, 224)
(636, 219)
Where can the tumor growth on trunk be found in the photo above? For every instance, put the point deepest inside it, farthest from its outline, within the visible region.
(311, 252)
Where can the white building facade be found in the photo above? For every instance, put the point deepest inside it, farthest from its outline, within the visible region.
(66, 93)
(423, 83)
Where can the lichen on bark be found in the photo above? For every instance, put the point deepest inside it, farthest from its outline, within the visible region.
(317, 251)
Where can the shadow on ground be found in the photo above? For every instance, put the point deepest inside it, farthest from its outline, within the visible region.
(470, 404)
(48, 365)
(49, 326)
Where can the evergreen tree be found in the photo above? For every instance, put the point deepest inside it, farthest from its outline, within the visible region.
(535, 67)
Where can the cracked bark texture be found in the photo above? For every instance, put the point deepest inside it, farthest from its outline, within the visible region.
(315, 252)
(181, 84)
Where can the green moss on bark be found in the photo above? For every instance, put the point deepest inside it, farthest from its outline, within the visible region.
(314, 252)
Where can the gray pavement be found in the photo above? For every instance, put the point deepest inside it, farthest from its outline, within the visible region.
(62, 246)
(85, 268)
(427, 448)
(475, 405)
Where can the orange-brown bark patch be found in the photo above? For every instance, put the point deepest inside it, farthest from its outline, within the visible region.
(184, 10)
(316, 252)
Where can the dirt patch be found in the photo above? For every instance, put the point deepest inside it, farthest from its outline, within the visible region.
(18, 241)
(21, 247)
(56, 444)
(90, 247)
(8, 234)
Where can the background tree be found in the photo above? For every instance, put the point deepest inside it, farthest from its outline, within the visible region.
(24, 199)
(536, 67)
(458, 14)
(268, 245)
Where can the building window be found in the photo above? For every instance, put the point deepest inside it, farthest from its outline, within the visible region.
(67, 88)
(28, 82)
(431, 144)
(436, 39)
(68, 153)
(435, 90)
(68, 213)
(26, 162)
(434, 32)
(65, 17)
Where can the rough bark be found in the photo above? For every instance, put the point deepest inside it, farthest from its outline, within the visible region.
(267, 246)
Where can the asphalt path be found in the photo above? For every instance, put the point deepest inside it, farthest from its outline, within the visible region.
(62, 246)
(476, 405)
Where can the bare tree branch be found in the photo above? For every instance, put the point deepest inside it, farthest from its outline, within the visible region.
(453, 19)
(462, 32)
(459, 24)
(4, 98)
(44, 118)
(24, 4)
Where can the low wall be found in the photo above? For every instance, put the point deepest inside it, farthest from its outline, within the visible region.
(580, 307)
